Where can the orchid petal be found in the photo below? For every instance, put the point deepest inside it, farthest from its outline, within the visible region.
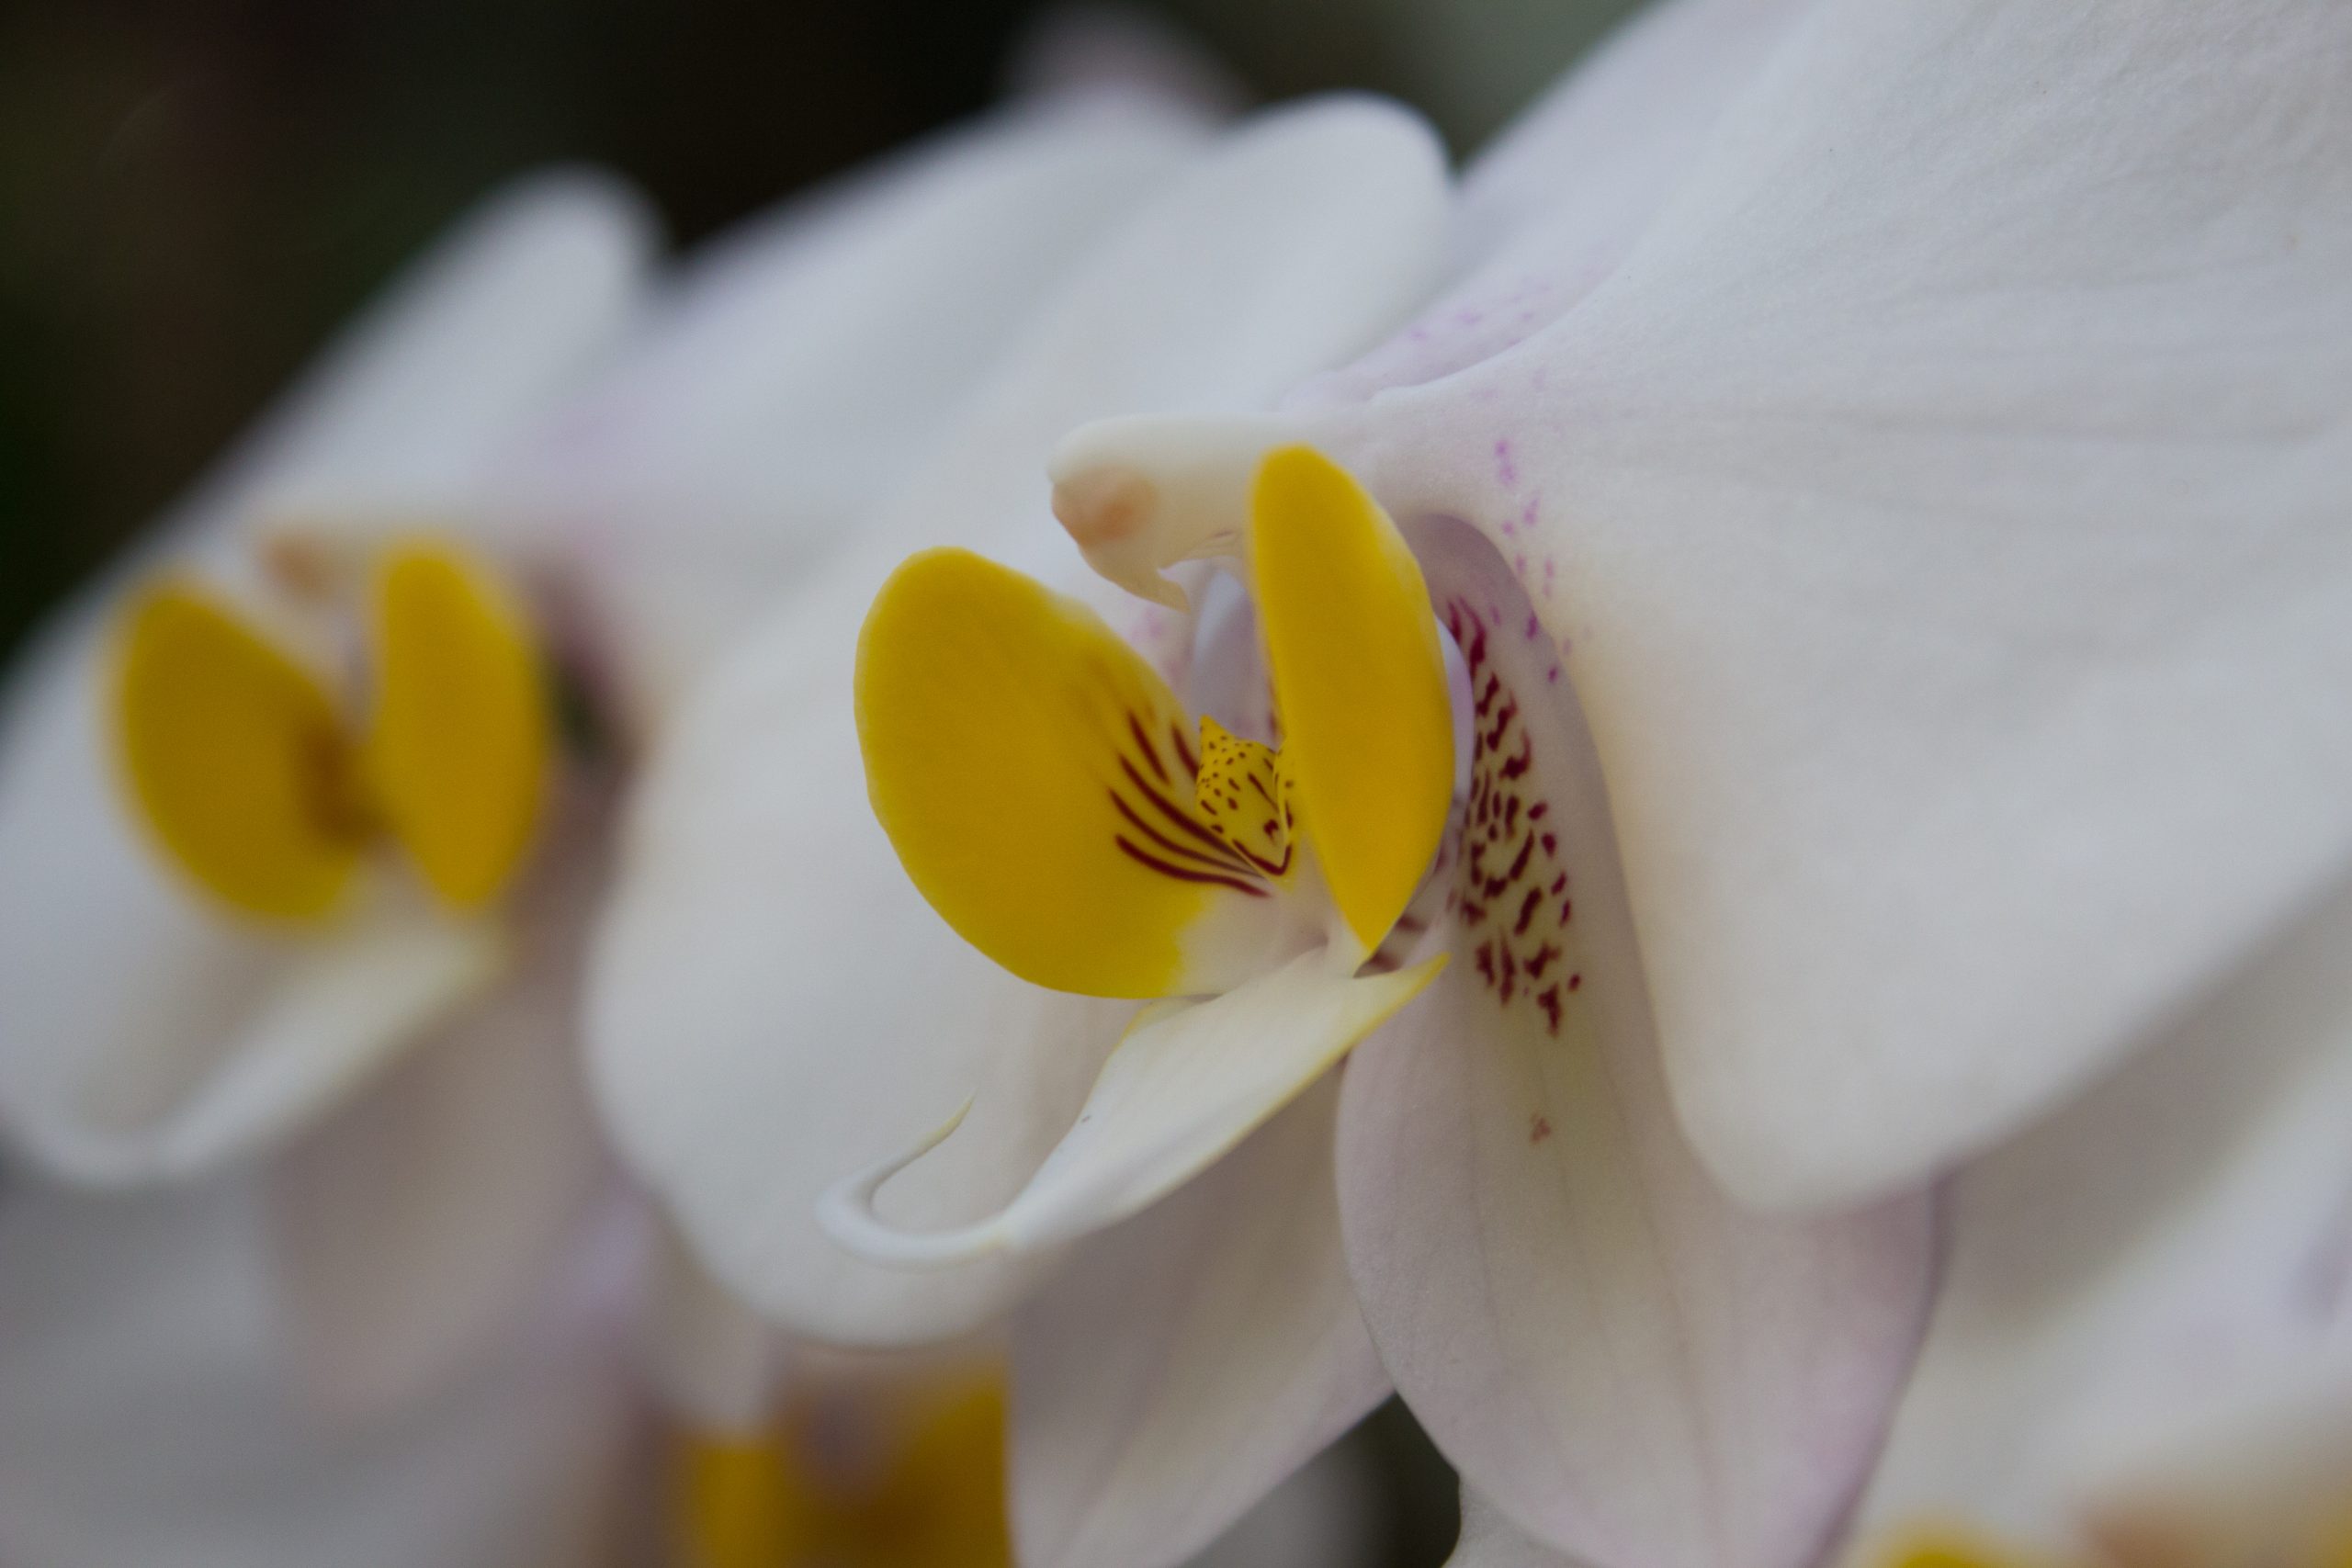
(1325, 1515)
(1052, 799)
(714, 1361)
(422, 1223)
(1552, 205)
(1189, 1081)
(2259, 1476)
(122, 988)
(1942, 505)
(1183, 1363)
(153, 1417)
(1490, 1540)
(765, 958)
(796, 369)
(2124, 1261)
(353, 998)
(1635, 1370)
(1359, 684)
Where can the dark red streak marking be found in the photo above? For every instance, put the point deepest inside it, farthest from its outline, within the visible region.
(1181, 874)
(1527, 909)
(1150, 752)
(1223, 861)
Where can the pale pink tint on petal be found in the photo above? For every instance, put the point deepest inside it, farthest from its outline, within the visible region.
(1556, 201)
(1634, 1368)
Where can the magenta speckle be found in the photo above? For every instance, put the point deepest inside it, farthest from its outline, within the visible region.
(1506, 470)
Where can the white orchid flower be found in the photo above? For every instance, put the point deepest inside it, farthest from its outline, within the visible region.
(1804, 499)
(1798, 511)
(181, 804)
(757, 887)
(170, 748)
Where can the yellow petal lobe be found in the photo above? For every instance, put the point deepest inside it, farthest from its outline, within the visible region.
(234, 757)
(1030, 771)
(459, 744)
(1036, 777)
(1359, 682)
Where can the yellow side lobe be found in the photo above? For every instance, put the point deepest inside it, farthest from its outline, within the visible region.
(234, 758)
(1035, 777)
(1359, 682)
(458, 749)
(911, 1479)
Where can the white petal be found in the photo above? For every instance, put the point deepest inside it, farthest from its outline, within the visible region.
(1490, 1540)
(153, 1419)
(124, 988)
(334, 1013)
(2129, 1260)
(1189, 1081)
(1636, 1370)
(1555, 202)
(424, 1223)
(798, 369)
(1182, 1364)
(1939, 505)
(714, 1361)
(2257, 1476)
(1327, 1515)
(772, 1001)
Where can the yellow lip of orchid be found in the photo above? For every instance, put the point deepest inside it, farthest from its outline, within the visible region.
(1046, 791)
(252, 782)
(1039, 783)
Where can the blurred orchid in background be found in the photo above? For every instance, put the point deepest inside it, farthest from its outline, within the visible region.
(233, 970)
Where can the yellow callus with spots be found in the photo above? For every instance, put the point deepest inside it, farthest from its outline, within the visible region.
(261, 787)
(1054, 801)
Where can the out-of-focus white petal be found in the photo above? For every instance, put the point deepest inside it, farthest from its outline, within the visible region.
(419, 1226)
(1555, 202)
(1939, 510)
(2262, 1475)
(2129, 1260)
(796, 372)
(1189, 1081)
(345, 1004)
(712, 1359)
(772, 1001)
(1490, 1540)
(125, 988)
(1327, 1515)
(1636, 1370)
(1182, 1364)
(148, 1417)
